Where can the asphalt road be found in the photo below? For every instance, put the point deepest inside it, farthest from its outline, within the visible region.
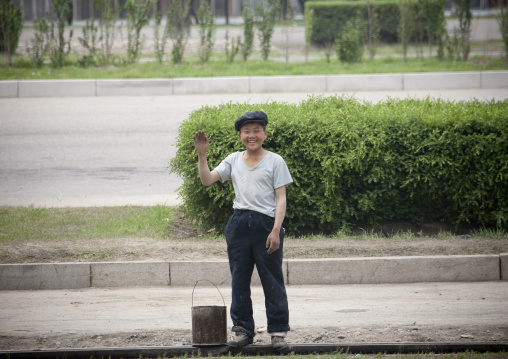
(109, 151)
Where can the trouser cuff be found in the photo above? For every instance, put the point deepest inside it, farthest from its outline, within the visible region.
(237, 329)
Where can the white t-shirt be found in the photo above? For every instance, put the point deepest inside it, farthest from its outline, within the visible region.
(255, 188)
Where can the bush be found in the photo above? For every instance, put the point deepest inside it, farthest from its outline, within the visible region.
(349, 44)
(265, 23)
(502, 19)
(11, 24)
(138, 16)
(329, 17)
(206, 32)
(358, 164)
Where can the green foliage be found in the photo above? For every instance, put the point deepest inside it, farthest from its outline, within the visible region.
(178, 27)
(138, 16)
(406, 26)
(356, 164)
(45, 224)
(90, 41)
(349, 44)
(206, 32)
(160, 40)
(248, 33)
(328, 18)
(235, 48)
(59, 47)
(434, 24)
(265, 24)
(465, 16)
(502, 19)
(372, 29)
(39, 44)
(11, 24)
(109, 13)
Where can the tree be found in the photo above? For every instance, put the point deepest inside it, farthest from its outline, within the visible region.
(406, 26)
(39, 44)
(59, 47)
(178, 26)
(248, 33)
(287, 16)
(160, 40)
(372, 29)
(90, 41)
(349, 43)
(265, 23)
(502, 20)
(434, 24)
(465, 16)
(11, 24)
(138, 16)
(109, 13)
(206, 32)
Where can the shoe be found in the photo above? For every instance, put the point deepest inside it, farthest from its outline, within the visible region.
(278, 342)
(241, 340)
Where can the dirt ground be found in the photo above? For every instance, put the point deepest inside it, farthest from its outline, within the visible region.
(192, 246)
(177, 338)
(146, 249)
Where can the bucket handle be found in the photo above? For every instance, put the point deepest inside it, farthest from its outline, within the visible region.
(206, 280)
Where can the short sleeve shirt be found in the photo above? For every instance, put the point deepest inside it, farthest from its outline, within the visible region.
(255, 187)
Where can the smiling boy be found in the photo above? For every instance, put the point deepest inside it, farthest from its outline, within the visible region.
(254, 233)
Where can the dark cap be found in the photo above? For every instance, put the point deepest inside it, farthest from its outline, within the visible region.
(251, 117)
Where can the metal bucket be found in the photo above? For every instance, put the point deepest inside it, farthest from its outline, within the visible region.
(209, 323)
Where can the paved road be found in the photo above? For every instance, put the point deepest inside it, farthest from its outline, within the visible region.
(107, 151)
(96, 311)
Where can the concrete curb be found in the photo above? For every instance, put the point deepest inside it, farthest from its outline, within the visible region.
(333, 271)
(254, 84)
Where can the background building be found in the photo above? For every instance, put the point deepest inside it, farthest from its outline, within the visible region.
(225, 11)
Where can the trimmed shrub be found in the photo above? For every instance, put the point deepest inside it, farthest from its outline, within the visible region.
(349, 44)
(329, 17)
(357, 164)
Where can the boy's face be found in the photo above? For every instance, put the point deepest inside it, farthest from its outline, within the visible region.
(252, 136)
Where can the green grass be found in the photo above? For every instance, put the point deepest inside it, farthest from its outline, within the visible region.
(24, 70)
(50, 224)
(59, 224)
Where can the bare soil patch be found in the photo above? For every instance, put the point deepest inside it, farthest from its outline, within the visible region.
(148, 249)
(176, 338)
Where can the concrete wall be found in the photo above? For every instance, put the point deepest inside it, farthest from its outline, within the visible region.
(259, 84)
(333, 271)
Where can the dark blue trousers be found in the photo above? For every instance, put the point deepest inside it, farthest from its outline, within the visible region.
(246, 234)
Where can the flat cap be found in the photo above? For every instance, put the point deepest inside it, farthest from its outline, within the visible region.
(251, 117)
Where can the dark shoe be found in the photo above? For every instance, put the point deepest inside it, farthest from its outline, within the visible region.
(278, 342)
(241, 340)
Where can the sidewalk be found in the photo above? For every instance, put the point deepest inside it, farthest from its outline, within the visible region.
(254, 84)
(348, 311)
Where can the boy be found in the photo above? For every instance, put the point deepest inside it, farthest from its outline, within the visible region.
(254, 232)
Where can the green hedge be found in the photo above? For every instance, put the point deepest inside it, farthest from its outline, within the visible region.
(328, 18)
(357, 164)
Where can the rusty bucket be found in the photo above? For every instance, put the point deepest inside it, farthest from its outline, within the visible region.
(209, 323)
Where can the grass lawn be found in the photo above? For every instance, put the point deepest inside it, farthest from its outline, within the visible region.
(23, 70)
(54, 224)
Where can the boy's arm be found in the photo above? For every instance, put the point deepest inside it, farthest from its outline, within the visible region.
(201, 143)
(273, 240)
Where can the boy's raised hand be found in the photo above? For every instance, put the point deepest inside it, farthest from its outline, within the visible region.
(201, 142)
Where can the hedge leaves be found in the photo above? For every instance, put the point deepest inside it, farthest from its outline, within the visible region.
(356, 163)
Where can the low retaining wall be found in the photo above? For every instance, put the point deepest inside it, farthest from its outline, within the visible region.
(255, 84)
(376, 270)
